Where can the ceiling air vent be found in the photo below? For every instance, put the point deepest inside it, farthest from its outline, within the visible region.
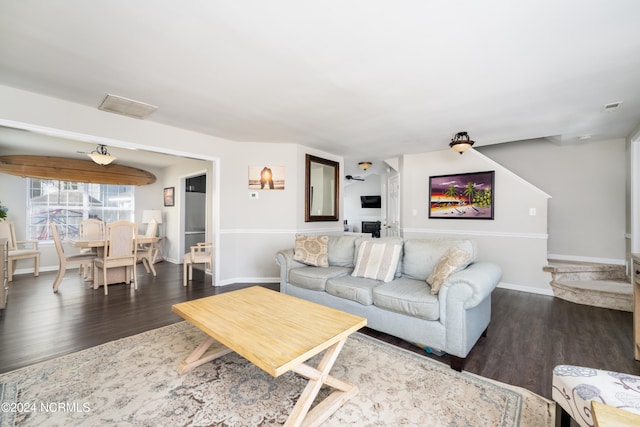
(127, 107)
(612, 106)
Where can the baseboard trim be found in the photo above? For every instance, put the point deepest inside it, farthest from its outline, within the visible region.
(237, 280)
(529, 289)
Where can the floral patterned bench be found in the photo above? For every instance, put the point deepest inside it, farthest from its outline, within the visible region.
(574, 387)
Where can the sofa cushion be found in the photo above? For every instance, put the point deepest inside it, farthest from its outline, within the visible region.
(408, 296)
(422, 255)
(311, 250)
(455, 259)
(353, 288)
(342, 250)
(395, 240)
(377, 260)
(315, 278)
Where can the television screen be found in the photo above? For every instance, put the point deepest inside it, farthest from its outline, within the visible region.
(370, 201)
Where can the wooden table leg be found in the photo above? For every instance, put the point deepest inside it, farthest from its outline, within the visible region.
(317, 377)
(198, 357)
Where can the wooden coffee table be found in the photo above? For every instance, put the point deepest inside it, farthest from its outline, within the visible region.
(277, 333)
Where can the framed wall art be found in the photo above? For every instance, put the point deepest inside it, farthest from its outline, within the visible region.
(462, 196)
(266, 177)
(169, 196)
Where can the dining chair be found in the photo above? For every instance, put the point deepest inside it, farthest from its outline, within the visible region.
(120, 250)
(19, 249)
(201, 253)
(145, 250)
(90, 228)
(67, 261)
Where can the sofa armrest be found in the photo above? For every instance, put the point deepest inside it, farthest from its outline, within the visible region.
(465, 305)
(284, 259)
(481, 277)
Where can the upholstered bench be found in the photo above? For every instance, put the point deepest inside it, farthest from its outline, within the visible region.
(574, 387)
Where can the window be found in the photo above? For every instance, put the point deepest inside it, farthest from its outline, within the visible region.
(68, 203)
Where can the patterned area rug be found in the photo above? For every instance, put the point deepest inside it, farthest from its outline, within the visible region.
(134, 382)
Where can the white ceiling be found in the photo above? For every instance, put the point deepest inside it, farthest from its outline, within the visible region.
(359, 78)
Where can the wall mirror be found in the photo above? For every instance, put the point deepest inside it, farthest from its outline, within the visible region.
(321, 195)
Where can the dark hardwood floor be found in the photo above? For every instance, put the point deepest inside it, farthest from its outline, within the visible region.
(529, 334)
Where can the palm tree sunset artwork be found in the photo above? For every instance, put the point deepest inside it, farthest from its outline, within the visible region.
(462, 196)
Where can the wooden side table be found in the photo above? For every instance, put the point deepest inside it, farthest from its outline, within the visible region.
(636, 305)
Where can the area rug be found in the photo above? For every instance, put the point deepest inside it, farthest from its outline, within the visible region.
(133, 382)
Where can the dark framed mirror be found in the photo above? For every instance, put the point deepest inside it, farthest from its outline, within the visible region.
(321, 189)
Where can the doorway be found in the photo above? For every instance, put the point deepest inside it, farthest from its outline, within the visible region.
(195, 212)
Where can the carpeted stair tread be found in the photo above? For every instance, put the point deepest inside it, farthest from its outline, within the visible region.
(610, 287)
(599, 285)
(613, 294)
(561, 267)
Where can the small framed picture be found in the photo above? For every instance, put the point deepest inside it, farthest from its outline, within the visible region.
(169, 196)
(266, 177)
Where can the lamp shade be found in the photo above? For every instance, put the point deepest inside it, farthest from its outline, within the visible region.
(461, 142)
(101, 156)
(149, 214)
(365, 165)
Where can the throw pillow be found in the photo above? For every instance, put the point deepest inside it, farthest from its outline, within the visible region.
(451, 261)
(377, 260)
(312, 250)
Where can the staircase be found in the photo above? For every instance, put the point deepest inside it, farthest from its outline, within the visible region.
(599, 285)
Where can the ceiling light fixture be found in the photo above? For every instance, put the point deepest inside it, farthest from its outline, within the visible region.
(101, 156)
(461, 142)
(365, 165)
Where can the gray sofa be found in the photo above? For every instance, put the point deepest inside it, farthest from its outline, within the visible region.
(451, 321)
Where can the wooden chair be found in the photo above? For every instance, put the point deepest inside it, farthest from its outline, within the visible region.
(202, 253)
(145, 251)
(19, 249)
(90, 228)
(78, 260)
(120, 250)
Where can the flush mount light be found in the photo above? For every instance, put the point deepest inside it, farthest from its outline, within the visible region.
(101, 156)
(365, 165)
(461, 142)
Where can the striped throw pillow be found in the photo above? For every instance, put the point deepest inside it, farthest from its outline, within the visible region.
(377, 260)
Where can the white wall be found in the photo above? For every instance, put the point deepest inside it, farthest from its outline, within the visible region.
(514, 239)
(587, 181)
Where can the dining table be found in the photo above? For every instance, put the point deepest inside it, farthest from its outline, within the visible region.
(114, 274)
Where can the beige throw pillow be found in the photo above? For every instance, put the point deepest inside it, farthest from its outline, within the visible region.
(312, 250)
(377, 260)
(451, 261)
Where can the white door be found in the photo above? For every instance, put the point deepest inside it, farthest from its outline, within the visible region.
(392, 224)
